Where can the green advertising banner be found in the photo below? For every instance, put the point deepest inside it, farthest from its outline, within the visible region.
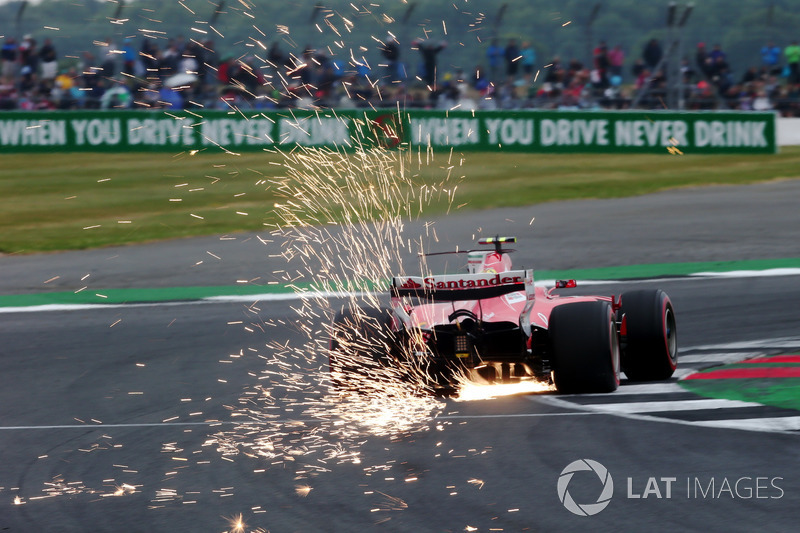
(518, 131)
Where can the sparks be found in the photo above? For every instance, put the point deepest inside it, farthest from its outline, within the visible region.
(236, 524)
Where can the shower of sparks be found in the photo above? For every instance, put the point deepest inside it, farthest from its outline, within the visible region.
(343, 230)
(288, 417)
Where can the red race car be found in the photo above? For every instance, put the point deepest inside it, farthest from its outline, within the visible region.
(493, 322)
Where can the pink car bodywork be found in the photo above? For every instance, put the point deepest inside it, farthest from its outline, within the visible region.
(496, 319)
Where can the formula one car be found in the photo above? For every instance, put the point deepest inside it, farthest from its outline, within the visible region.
(493, 323)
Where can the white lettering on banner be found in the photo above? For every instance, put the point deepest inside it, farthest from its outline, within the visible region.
(160, 132)
(650, 133)
(97, 131)
(444, 131)
(315, 131)
(228, 131)
(510, 131)
(565, 132)
(729, 134)
(33, 132)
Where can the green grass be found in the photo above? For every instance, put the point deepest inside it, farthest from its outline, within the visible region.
(781, 392)
(75, 201)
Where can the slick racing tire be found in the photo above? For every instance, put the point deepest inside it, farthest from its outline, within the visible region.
(585, 347)
(650, 342)
(359, 346)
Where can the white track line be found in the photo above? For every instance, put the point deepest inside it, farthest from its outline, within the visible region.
(643, 388)
(788, 423)
(732, 357)
(653, 407)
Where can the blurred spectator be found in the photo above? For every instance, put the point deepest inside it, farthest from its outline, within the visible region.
(642, 78)
(306, 66)
(554, 73)
(129, 59)
(325, 88)
(169, 59)
(28, 80)
(792, 55)
(771, 58)
(479, 80)
(601, 64)
(65, 81)
(49, 61)
(511, 56)
(28, 55)
(616, 58)
(429, 52)
(117, 97)
(31, 81)
(717, 55)
(761, 102)
(148, 55)
(224, 71)
(169, 98)
(106, 51)
(688, 74)
(494, 55)
(390, 50)
(652, 54)
(528, 60)
(703, 61)
(637, 67)
(275, 56)
(8, 57)
(187, 64)
(750, 76)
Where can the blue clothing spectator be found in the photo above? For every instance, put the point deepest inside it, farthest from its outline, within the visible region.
(528, 58)
(717, 54)
(771, 57)
(129, 58)
(170, 98)
(494, 56)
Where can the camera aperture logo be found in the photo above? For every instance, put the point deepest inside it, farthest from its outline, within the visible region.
(585, 509)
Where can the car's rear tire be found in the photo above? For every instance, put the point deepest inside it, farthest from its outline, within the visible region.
(359, 346)
(650, 348)
(585, 347)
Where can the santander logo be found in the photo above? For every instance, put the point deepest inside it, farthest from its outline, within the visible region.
(514, 280)
(471, 283)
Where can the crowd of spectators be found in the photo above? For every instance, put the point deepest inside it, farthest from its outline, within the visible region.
(177, 73)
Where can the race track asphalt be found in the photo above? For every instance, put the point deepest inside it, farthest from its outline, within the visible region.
(105, 411)
(720, 223)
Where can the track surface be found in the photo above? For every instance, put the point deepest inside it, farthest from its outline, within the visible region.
(148, 373)
(687, 225)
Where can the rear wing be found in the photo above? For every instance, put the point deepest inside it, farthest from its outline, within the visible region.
(458, 287)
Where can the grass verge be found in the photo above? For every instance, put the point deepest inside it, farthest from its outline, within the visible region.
(54, 202)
